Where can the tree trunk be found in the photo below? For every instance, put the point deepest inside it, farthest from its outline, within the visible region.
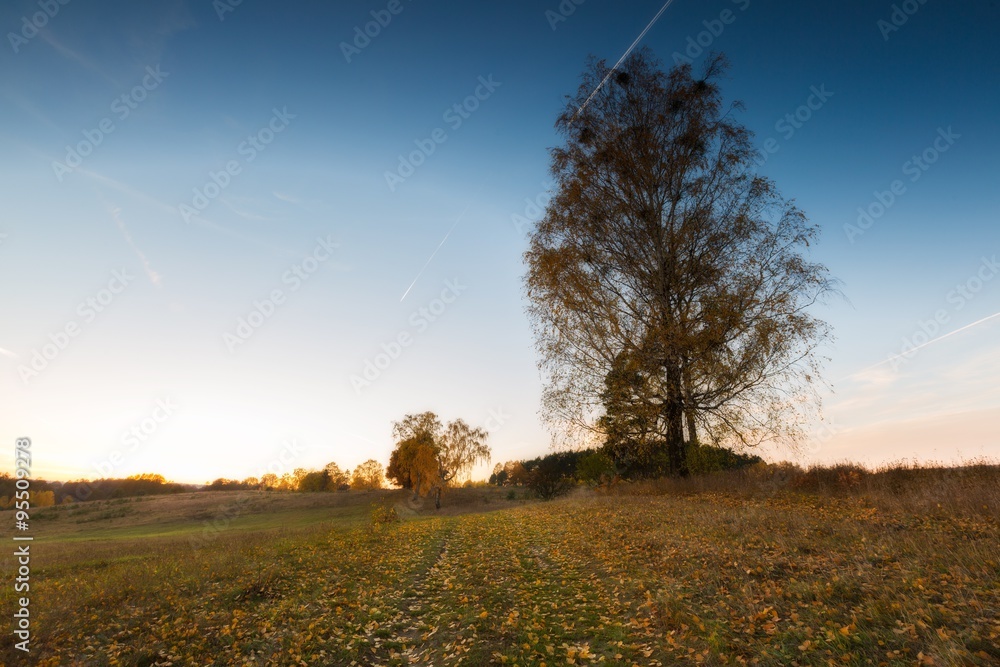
(437, 499)
(673, 415)
(692, 430)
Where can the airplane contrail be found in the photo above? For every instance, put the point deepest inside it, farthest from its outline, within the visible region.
(431, 258)
(622, 59)
(923, 345)
(8, 353)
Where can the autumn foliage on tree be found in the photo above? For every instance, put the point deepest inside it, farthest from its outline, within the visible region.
(336, 478)
(668, 285)
(429, 456)
(148, 477)
(369, 476)
(413, 463)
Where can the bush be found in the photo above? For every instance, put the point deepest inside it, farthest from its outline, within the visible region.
(548, 480)
(703, 459)
(384, 514)
(596, 468)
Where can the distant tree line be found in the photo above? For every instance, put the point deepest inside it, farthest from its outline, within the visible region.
(45, 493)
(367, 476)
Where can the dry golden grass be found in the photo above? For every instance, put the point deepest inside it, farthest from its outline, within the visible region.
(773, 568)
(972, 489)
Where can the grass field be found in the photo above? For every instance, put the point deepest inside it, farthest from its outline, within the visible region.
(647, 575)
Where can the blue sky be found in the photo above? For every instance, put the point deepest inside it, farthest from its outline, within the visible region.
(301, 130)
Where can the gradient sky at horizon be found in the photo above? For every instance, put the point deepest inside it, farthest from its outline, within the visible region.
(343, 125)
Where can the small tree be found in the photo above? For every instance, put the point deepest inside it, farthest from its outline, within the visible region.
(336, 478)
(459, 449)
(429, 457)
(313, 481)
(517, 475)
(369, 476)
(411, 464)
(43, 498)
(499, 476)
(549, 479)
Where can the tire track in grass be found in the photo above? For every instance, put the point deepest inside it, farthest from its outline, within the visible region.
(597, 618)
(411, 630)
(349, 592)
(523, 594)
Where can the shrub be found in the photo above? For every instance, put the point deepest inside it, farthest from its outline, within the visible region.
(549, 480)
(703, 459)
(384, 514)
(596, 468)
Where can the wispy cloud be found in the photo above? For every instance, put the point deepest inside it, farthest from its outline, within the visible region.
(154, 277)
(28, 107)
(955, 378)
(70, 54)
(288, 198)
(245, 214)
(173, 210)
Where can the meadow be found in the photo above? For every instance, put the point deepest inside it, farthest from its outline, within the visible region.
(761, 568)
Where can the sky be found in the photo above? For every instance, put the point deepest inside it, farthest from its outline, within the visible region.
(241, 235)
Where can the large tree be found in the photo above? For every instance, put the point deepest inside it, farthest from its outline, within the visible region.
(666, 275)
